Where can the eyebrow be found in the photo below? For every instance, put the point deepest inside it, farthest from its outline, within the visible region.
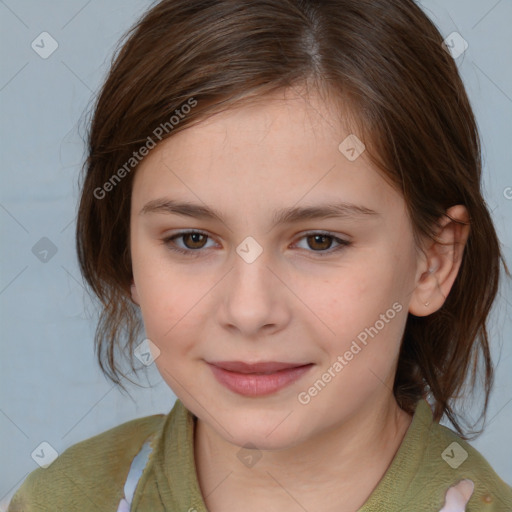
(282, 216)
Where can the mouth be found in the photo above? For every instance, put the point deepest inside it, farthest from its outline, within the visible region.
(257, 379)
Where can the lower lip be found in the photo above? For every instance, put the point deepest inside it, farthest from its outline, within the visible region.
(251, 384)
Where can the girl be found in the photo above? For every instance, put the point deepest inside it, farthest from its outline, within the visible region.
(287, 195)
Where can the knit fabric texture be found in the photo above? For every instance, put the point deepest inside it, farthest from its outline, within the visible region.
(90, 475)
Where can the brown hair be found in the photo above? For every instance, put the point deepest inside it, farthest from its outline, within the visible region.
(385, 59)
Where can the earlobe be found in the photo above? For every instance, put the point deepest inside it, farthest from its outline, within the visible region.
(427, 296)
(135, 297)
(441, 263)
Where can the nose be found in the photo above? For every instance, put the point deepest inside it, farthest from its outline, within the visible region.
(253, 298)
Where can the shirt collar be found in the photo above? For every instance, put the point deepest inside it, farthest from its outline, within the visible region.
(177, 475)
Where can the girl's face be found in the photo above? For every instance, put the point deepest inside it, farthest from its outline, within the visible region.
(267, 279)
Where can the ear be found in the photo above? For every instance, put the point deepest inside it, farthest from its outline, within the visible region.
(135, 296)
(440, 263)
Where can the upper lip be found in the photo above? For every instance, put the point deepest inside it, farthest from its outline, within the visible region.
(260, 367)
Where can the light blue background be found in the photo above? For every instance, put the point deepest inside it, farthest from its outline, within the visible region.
(51, 387)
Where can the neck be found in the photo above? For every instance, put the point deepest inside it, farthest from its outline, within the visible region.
(346, 461)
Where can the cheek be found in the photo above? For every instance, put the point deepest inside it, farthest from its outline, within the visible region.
(364, 302)
(175, 308)
(358, 293)
(162, 294)
(167, 306)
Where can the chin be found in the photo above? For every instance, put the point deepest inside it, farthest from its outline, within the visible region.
(266, 432)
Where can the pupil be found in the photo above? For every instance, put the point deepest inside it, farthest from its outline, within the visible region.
(319, 238)
(194, 237)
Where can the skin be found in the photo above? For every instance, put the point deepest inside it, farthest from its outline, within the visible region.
(290, 304)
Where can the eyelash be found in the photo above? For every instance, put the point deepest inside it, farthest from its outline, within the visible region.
(169, 243)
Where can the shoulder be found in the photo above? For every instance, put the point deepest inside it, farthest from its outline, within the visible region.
(453, 459)
(89, 475)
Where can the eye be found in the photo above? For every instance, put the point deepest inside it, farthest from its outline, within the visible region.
(194, 241)
(320, 242)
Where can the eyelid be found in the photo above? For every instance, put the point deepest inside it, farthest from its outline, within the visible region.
(342, 243)
(168, 240)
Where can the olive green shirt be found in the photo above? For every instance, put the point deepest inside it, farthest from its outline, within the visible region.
(90, 475)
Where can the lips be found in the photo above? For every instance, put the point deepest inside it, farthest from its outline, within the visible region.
(257, 379)
(265, 367)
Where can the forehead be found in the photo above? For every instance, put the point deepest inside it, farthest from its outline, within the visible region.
(283, 148)
(277, 121)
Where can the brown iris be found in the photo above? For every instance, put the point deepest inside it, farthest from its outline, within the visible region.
(195, 238)
(316, 238)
